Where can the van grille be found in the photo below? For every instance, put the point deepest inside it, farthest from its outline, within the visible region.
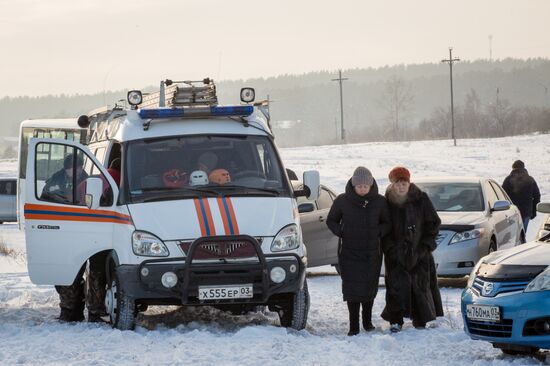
(237, 249)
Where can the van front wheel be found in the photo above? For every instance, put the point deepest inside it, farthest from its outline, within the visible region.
(294, 313)
(120, 307)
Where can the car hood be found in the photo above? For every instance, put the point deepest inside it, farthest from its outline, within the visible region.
(461, 218)
(194, 218)
(533, 254)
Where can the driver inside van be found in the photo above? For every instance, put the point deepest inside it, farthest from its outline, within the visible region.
(219, 176)
(59, 187)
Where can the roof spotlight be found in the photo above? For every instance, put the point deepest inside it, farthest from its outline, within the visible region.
(135, 97)
(248, 95)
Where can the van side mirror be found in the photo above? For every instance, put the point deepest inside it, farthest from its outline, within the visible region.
(306, 207)
(94, 190)
(312, 181)
(501, 206)
(543, 207)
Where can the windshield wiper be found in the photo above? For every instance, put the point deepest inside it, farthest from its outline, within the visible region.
(170, 193)
(250, 190)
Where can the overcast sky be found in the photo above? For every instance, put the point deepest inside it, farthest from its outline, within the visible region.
(78, 46)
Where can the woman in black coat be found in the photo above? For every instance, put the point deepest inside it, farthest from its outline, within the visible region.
(411, 280)
(360, 218)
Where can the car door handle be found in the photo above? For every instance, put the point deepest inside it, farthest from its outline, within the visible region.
(321, 218)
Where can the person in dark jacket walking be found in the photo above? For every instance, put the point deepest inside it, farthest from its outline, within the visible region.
(410, 275)
(360, 218)
(523, 191)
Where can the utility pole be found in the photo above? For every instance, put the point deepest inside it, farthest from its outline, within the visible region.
(490, 48)
(451, 60)
(340, 79)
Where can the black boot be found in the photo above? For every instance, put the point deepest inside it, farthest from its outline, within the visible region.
(366, 315)
(353, 308)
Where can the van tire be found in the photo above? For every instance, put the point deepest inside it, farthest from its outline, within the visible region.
(294, 313)
(122, 312)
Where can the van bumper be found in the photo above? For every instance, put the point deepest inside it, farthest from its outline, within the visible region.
(143, 282)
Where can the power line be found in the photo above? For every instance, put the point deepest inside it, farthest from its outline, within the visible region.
(451, 60)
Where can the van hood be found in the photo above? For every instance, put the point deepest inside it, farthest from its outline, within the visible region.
(461, 218)
(533, 254)
(194, 218)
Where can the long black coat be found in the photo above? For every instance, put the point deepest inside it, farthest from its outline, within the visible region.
(360, 223)
(411, 281)
(523, 192)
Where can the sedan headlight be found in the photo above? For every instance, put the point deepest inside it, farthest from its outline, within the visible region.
(467, 235)
(288, 238)
(540, 283)
(146, 244)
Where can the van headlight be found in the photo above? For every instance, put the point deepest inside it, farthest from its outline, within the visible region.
(467, 235)
(146, 244)
(288, 238)
(540, 283)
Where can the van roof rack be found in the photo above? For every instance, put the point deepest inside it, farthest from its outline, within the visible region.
(186, 93)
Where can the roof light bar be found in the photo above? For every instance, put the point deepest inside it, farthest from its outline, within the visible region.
(215, 111)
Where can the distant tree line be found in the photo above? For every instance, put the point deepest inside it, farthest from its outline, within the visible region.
(399, 102)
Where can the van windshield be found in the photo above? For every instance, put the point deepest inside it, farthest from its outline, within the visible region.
(196, 166)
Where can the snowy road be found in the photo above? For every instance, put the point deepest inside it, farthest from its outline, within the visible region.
(30, 334)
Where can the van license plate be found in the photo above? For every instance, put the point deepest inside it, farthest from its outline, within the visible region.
(225, 292)
(483, 312)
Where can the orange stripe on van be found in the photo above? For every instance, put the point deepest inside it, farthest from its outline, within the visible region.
(232, 216)
(200, 216)
(224, 216)
(209, 216)
(63, 213)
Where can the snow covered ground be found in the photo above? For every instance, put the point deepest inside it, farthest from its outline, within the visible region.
(30, 334)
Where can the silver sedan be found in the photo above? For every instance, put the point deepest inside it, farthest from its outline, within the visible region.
(321, 244)
(477, 218)
(7, 200)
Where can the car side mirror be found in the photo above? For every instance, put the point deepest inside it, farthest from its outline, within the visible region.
(501, 206)
(94, 190)
(312, 182)
(544, 207)
(306, 207)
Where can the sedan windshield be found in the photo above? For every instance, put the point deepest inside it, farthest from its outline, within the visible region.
(197, 166)
(459, 197)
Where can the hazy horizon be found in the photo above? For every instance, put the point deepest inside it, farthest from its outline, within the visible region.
(66, 47)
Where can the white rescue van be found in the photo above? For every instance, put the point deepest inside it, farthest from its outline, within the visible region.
(189, 199)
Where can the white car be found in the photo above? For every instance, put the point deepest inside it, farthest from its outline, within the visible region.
(544, 227)
(7, 200)
(477, 218)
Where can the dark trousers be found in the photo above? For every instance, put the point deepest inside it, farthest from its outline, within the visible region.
(92, 292)
(366, 313)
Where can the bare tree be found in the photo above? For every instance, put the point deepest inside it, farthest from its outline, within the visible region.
(397, 100)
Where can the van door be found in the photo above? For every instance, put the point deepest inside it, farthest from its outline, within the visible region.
(61, 231)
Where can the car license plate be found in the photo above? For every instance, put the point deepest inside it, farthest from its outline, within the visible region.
(483, 312)
(225, 292)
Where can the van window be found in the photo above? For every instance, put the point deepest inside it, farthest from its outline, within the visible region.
(61, 173)
(191, 166)
(7, 187)
(29, 132)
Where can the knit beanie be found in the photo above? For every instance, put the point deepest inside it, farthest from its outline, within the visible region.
(518, 164)
(362, 175)
(399, 173)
